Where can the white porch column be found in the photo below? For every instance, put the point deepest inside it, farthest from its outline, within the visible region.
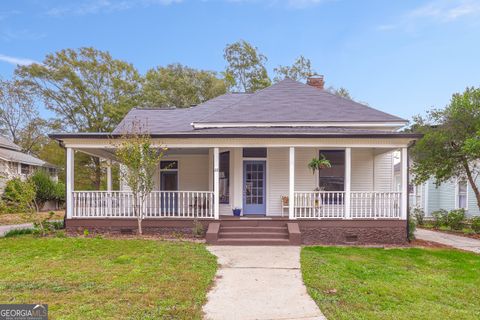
(216, 183)
(69, 171)
(291, 184)
(404, 196)
(109, 175)
(348, 180)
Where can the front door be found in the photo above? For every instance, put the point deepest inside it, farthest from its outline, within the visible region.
(254, 187)
(169, 182)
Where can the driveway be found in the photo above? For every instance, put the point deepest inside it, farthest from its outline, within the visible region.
(5, 229)
(458, 242)
(259, 283)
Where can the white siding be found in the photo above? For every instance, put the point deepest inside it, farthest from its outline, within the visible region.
(383, 172)
(277, 172)
(192, 171)
(304, 178)
(362, 169)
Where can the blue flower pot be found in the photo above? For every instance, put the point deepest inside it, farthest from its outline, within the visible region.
(237, 212)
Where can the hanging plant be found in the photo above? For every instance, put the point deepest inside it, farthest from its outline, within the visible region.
(317, 164)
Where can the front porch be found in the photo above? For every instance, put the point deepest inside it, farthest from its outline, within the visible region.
(207, 183)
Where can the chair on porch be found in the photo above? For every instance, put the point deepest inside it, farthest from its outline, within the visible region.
(311, 204)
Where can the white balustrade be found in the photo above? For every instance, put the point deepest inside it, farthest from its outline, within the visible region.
(158, 204)
(331, 205)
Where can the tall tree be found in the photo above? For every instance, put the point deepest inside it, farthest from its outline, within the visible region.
(450, 147)
(300, 70)
(88, 90)
(341, 92)
(19, 118)
(180, 86)
(245, 71)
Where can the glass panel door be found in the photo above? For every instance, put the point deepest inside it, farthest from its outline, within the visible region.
(254, 187)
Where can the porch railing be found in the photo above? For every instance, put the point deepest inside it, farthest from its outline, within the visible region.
(158, 204)
(320, 204)
(331, 204)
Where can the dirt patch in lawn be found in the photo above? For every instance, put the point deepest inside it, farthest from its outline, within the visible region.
(16, 218)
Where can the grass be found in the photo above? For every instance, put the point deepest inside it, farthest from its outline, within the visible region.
(410, 283)
(91, 278)
(17, 232)
(16, 218)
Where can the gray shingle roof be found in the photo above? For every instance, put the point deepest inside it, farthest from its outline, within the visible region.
(175, 120)
(17, 156)
(6, 143)
(286, 101)
(292, 101)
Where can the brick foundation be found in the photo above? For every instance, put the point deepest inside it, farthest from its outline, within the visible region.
(343, 232)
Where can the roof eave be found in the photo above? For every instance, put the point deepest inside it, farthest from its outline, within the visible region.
(63, 136)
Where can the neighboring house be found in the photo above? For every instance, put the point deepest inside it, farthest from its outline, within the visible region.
(454, 194)
(251, 151)
(16, 164)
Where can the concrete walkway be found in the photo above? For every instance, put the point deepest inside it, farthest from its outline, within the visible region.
(458, 242)
(259, 283)
(5, 229)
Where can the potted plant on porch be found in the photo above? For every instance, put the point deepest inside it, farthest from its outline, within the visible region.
(317, 164)
(236, 211)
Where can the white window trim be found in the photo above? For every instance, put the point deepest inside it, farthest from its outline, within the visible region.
(457, 193)
(169, 170)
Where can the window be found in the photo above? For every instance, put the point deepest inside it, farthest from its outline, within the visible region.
(25, 168)
(333, 179)
(254, 152)
(169, 165)
(225, 177)
(52, 172)
(462, 194)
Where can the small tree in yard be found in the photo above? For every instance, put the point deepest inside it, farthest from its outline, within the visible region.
(20, 196)
(141, 160)
(450, 147)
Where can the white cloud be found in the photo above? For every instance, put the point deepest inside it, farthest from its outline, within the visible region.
(445, 11)
(99, 6)
(436, 11)
(16, 60)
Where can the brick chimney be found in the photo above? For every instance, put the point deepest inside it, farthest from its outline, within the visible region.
(316, 81)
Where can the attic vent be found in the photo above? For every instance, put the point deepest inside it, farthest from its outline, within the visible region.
(126, 231)
(351, 238)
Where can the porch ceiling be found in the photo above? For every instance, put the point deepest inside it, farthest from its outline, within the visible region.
(108, 154)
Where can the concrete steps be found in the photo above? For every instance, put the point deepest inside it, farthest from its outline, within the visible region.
(253, 233)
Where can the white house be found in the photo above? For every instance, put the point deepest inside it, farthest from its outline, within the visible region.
(251, 151)
(16, 164)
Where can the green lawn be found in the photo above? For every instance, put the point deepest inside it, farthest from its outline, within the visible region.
(413, 283)
(106, 279)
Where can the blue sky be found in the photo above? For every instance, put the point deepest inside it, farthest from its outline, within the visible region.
(402, 57)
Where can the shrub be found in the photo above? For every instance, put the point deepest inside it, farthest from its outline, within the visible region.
(439, 218)
(455, 219)
(419, 216)
(60, 192)
(44, 186)
(475, 224)
(19, 196)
